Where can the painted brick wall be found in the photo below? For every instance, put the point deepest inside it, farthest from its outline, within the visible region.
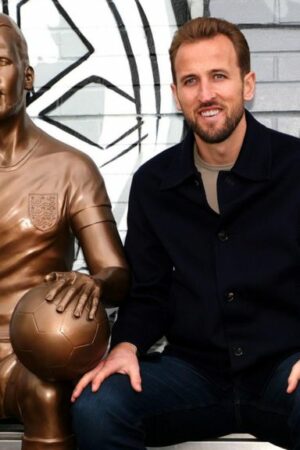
(103, 75)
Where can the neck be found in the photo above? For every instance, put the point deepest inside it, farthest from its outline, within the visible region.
(17, 135)
(225, 152)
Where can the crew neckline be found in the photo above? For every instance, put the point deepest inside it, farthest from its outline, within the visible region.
(212, 167)
(23, 159)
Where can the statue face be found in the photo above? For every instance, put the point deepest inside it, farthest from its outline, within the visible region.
(12, 75)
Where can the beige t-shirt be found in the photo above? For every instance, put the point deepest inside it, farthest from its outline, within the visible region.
(209, 174)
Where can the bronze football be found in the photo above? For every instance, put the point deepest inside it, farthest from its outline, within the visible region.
(56, 346)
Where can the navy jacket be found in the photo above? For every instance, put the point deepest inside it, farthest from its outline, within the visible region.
(224, 289)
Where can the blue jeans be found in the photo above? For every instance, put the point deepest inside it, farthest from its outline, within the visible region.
(179, 404)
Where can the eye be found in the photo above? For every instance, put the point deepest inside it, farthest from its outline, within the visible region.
(4, 61)
(190, 81)
(219, 76)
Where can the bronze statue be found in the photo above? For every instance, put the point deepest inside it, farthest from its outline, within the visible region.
(50, 193)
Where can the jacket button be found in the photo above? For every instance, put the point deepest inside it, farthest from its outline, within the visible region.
(223, 236)
(230, 296)
(238, 351)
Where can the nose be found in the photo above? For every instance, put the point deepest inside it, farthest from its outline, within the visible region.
(206, 92)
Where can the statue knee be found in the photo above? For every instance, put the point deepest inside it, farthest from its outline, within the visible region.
(47, 394)
(45, 398)
(45, 410)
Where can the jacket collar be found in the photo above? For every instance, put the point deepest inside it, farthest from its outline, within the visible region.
(253, 162)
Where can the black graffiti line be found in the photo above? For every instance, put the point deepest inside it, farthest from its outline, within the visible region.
(206, 8)
(127, 133)
(131, 58)
(138, 142)
(5, 7)
(129, 52)
(152, 55)
(92, 79)
(70, 131)
(60, 75)
(178, 7)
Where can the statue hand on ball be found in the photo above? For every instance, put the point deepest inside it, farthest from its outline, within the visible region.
(57, 345)
(74, 286)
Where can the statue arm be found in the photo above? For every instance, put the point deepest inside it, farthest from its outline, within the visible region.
(104, 255)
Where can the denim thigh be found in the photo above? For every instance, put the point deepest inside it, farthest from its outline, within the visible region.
(177, 403)
(274, 415)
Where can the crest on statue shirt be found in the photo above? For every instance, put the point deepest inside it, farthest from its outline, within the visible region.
(43, 210)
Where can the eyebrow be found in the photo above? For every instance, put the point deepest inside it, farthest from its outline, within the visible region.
(219, 70)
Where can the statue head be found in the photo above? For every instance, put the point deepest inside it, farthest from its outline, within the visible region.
(16, 75)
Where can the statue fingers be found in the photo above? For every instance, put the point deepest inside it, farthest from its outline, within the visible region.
(94, 306)
(87, 296)
(66, 299)
(52, 293)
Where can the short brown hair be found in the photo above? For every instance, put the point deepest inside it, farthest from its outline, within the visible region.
(206, 28)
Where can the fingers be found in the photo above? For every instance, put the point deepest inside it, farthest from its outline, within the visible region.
(99, 378)
(294, 378)
(66, 299)
(51, 276)
(68, 277)
(123, 360)
(129, 366)
(95, 377)
(62, 279)
(95, 303)
(81, 304)
(52, 293)
(72, 286)
(84, 381)
(135, 378)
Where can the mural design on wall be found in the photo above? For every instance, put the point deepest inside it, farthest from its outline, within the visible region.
(56, 105)
(102, 80)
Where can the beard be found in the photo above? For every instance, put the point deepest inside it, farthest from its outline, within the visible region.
(213, 135)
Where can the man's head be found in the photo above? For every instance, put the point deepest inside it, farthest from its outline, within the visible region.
(16, 76)
(206, 28)
(212, 78)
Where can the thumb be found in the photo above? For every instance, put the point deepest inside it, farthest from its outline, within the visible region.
(292, 384)
(50, 276)
(135, 377)
(292, 381)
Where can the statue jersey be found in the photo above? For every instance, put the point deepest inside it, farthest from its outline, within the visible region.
(47, 197)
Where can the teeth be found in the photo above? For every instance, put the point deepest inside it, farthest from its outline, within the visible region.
(210, 113)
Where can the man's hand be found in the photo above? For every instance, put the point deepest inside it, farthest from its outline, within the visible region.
(294, 378)
(122, 359)
(74, 286)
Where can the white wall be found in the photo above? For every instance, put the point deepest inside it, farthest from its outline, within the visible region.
(103, 75)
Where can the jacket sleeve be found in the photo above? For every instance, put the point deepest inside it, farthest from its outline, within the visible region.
(145, 316)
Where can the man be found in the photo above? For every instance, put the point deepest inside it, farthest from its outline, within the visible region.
(49, 194)
(213, 241)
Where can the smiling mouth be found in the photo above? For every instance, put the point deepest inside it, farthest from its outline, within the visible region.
(210, 112)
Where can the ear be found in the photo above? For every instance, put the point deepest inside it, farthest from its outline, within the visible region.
(29, 78)
(174, 91)
(249, 86)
